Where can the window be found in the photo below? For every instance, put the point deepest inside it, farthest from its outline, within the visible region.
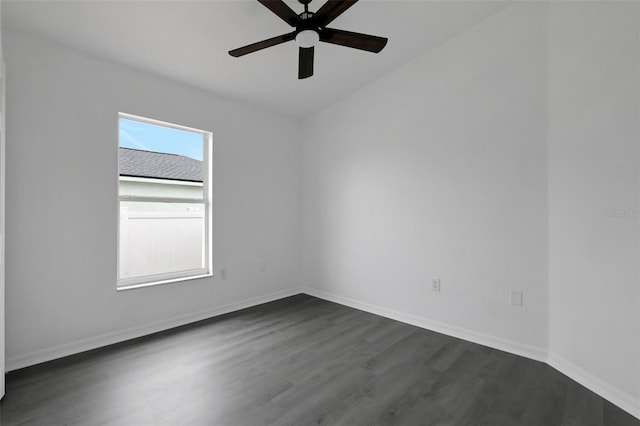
(164, 197)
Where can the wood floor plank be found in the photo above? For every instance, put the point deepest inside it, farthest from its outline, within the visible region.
(300, 361)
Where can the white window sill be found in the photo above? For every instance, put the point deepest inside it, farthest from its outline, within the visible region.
(162, 282)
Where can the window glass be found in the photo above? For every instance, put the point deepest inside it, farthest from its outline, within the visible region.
(164, 209)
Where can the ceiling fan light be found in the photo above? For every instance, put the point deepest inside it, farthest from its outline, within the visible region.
(307, 38)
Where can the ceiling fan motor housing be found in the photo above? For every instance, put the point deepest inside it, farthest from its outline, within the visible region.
(307, 31)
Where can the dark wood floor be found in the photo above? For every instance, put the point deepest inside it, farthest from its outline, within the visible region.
(300, 361)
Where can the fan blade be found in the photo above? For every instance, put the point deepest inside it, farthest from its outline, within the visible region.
(281, 9)
(355, 40)
(331, 10)
(305, 62)
(262, 44)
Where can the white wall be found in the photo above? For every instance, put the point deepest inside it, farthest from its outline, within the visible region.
(439, 170)
(2, 210)
(593, 171)
(62, 147)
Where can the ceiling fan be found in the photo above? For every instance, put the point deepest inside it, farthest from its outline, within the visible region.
(310, 28)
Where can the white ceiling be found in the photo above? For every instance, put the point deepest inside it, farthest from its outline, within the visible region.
(188, 41)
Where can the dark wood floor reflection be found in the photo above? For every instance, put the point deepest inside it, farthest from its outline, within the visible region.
(300, 361)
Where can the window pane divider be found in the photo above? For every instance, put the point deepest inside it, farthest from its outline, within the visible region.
(162, 199)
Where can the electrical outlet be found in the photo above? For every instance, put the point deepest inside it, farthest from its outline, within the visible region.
(517, 298)
(435, 284)
(263, 266)
(223, 274)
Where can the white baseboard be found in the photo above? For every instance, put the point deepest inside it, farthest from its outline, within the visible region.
(617, 397)
(532, 352)
(48, 354)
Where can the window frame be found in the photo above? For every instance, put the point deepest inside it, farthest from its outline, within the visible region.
(206, 201)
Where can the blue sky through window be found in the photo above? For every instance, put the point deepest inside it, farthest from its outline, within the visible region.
(149, 137)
